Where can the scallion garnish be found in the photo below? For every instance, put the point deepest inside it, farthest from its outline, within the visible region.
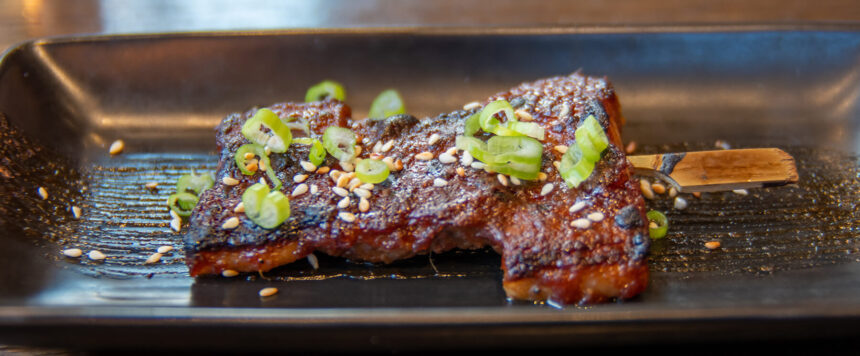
(388, 103)
(317, 151)
(325, 90)
(339, 142)
(182, 203)
(194, 183)
(578, 162)
(257, 151)
(661, 221)
(277, 138)
(512, 127)
(489, 122)
(266, 208)
(515, 156)
(472, 125)
(371, 171)
(474, 146)
(575, 168)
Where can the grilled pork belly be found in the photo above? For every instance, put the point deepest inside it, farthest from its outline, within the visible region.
(544, 257)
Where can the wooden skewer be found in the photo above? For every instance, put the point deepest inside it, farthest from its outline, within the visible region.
(710, 171)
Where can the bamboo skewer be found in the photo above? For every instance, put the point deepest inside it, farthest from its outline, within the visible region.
(720, 170)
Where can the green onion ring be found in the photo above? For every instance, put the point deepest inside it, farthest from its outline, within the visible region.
(279, 137)
(325, 90)
(339, 142)
(268, 209)
(388, 103)
(574, 167)
(515, 156)
(317, 152)
(662, 224)
(194, 183)
(258, 151)
(371, 171)
(182, 203)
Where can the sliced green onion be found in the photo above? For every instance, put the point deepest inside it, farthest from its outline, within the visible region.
(531, 129)
(472, 124)
(595, 132)
(388, 103)
(515, 156)
(488, 119)
(278, 137)
(586, 146)
(339, 142)
(574, 167)
(182, 203)
(662, 224)
(317, 152)
(266, 208)
(324, 90)
(298, 124)
(371, 171)
(258, 151)
(474, 146)
(194, 183)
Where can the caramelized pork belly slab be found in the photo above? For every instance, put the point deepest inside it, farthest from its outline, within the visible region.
(544, 257)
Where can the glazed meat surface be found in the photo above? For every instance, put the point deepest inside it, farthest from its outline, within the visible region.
(543, 256)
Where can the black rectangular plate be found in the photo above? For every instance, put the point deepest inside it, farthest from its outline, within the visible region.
(788, 266)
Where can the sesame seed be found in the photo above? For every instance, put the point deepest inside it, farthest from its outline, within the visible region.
(451, 151)
(565, 109)
(174, 215)
(73, 252)
(76, 212)
(389, 162)
(340, 191)
(387, 146)
(398, 164)
(229, 273)
(357, 149)
(577, 206)
(249, 155)
(96, 255)
(377, 147)
(251, 166)
(515, 180)
(262, 165)
(353, 183)
(523, 115)
(502, 179)
(424, 156)
(680, 203)
(712, 245)
(363, 205)
(673, 192)
(348, 217)
(229, 181)
(433, 139)
(740, 191)
(299, 190)
(176, 224)
(439, 182)
(368, 186)
(262, 180)
(153, 258)
(631, 147)
(298, 178)
(335, 174)
(446, 158)
(310, 167)
(561, 149)
(556, 164)
(116, 147)
(314, 189)
(471, 106)
(376, 156)
(240, 208)
(542, 176)
(658, 188)
(268, 292)
(342, 181)
(364, 193)
(581, 223)
(467, 158)
(547, 188)
(697, 194)
(478, 165)
(653, 225)
(645, 187)
(343, 203)
(43, 192)
(267, 150)
(461, 172)
(164, 249)
(151, 185)
(323, 170)
(231, 223)
(313, 261)
(596, 216)
(347, 167)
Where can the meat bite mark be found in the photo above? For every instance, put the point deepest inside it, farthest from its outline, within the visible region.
(543, 256)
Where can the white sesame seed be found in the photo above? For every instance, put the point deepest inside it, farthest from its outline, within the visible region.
(116, 147)
(673, 192)
(76, 212)
(73, 252)
(740, 191)
(581, 223)
(96, 255)
(547, 188)
(565, 109)
(174, 215)
(308, 166)
(461, 172)
(164, 249)
(658, 188)
(680, 203)
(229, 180)
(347, 167)
(630, 148)
(524, 115)
(153, 258)
(335, 174)
(261, 165)
(323, 170)
(342, 181)
(451, 151)
(424, 156)
(268, 292)
(348, 217)
(229, 273)
(446, 158)
(267, 150)
(343, 203)
(377, 147)
(595, 216)
(364, 193)
(556, 164)
(231, 223)
(387, 146)
(340, 191)
(314, 262)
(389, 161)
(368, 186)
(357, 150)
(43, 192)
(314, 189)
(515, 180)
(561, 149)
(645, 186)
(502, 179)
(176, 224)
(433, 139)
(262, 180)
(298, 178)
(353, 183)
(240, 208)
(542, 176)
(249, 155)
(439, 182)
(472, 105)
(577, 206)
(363, 205)
(467, 158)
(151, 185)
(478, 165)
(299, 190)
